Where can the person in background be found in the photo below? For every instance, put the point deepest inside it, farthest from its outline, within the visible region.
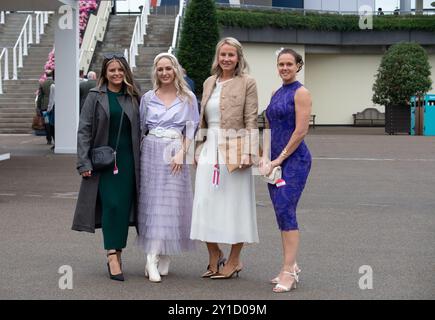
(50, 112)
(189, 81)
(86, 85)
(43, 99)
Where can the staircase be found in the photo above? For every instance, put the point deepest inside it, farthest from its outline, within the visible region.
(10, 31)
(158, 39)
(118, 37)
(17, 104)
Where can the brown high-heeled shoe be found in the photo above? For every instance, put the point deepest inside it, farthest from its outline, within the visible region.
(234, 271)
(210, 272)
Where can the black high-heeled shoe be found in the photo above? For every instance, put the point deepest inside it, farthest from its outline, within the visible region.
(117, 277)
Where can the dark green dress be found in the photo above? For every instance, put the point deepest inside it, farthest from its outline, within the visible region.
(117, 192)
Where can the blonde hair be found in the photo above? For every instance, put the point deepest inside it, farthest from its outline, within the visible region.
(181, 85)
(242, 65)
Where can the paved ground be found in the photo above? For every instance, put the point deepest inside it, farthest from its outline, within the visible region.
(369, 202)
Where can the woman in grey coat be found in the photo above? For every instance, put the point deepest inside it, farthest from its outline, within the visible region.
(108, 197)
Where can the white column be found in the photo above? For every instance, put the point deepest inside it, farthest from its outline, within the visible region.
(405, 5)
(418, 6)
(67, 82)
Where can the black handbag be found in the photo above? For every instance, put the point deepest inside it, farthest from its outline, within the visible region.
(104, 157)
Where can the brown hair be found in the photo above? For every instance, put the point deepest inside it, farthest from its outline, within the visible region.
(297, 56)
(128, 82)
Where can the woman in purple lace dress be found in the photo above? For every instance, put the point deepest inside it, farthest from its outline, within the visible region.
(288, 117)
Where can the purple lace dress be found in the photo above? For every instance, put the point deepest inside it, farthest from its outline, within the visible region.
(295, 169)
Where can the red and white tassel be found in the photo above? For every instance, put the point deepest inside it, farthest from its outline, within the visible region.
(280, 183)
(216, 175)
(115, 168)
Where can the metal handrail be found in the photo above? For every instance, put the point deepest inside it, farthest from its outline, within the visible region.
(25, 38)
(138, 33)
(95, 31)
(132, 52)
(6, 71)
(41, 19)
(177, 27)
(22, 47)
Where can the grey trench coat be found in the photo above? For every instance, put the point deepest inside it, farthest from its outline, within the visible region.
(87, 215)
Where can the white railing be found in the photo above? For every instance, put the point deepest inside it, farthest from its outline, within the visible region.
(137, 36)
(2, 17)
(95, 30)
(41, 19)
(177, 27)
(4, 55)
(25, 38)
(22, 44)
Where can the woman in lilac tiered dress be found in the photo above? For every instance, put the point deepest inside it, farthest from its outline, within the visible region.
(169, 117)
(288, 116)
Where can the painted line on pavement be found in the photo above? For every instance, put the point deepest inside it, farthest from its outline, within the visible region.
(5, 156)
(373, 159)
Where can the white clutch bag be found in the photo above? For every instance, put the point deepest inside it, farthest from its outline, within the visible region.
(274, 176)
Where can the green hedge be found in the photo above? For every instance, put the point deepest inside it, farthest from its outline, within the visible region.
(320, 22)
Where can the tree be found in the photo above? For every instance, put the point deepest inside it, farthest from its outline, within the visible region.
(198, 40)
(404, 72)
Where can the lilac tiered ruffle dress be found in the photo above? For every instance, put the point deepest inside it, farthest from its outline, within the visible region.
(165, 202)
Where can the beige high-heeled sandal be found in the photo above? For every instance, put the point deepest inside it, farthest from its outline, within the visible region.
(280, 288)
(295, 268)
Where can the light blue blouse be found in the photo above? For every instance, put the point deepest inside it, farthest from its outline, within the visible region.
(182, 115)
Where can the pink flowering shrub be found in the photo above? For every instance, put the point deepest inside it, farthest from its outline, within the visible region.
(86, 7)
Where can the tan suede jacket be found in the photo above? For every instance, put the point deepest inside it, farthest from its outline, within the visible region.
(238, 103)
(238, 109)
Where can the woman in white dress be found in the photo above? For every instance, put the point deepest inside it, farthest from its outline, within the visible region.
(224, 203)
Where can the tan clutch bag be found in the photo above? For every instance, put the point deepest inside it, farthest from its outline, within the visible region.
(274, 176)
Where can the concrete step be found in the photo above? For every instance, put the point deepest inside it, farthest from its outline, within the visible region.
(23, 115)
(17, 121)
(7, 100)
(16, 125)
(15, 131)
(19, 82)
(29, 93)
(20, 110)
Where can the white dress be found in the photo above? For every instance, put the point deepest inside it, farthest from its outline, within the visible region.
(227, 213)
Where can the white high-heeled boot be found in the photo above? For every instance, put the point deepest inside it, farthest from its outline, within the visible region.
(151, 270)
(164, 261)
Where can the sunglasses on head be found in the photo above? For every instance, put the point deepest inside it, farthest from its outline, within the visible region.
(111, 56)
